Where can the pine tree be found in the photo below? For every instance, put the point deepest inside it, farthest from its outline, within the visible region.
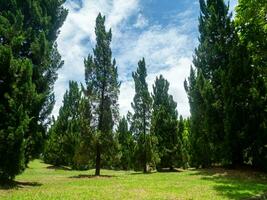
(183, 133)
(101, 79)
(251, 28)
(16, 98)
(126, 142)
(212, 58)
(200, 138)
(65, 133)
(145, 150)
(30, 28)
(83, 155)
(164, 124)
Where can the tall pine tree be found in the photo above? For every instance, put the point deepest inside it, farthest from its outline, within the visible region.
(17, 95)
(30, 29)
(164, 124)
(212, 58)
(252, 70)
(145, 150)
(27, 31)
(101, 79)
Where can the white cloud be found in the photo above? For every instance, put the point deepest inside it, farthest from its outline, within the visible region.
(141, 21)
(167, 52)
(77, 37)
(167, 49)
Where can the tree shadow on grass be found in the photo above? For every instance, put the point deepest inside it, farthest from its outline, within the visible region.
(18, 184)
(142, 173)
(235, 184)
(59, 168)
(168, 170)
(92, 176)
(163, 170)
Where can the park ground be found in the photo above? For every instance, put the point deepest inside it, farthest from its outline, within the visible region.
(42, 181)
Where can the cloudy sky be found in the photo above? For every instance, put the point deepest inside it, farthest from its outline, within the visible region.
(164, 32)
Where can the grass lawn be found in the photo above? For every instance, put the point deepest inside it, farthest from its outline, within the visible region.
(41, 181)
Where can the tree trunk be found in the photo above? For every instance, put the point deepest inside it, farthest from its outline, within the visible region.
(145, 168)
(145, 159)
(97, 161)
(237, 158)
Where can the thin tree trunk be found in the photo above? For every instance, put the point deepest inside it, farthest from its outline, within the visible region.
(145, 159)
(97, 161)
(145, 168)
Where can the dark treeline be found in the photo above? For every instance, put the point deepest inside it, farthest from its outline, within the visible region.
(226, 91)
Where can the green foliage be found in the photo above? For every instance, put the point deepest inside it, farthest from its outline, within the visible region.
(16, 97)
(200, 139)
(102, 88)
(252, 31)
(227, 96)
(164, 124)
(83, 155)
(65, 133)
(205, 92)
(126, 142)
(184, 142)
(28, 29)
(145, 150)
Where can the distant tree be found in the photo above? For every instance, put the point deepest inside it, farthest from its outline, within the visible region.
(102, 88)
(184, 141)
(164, 124)
(65, 133)
(83, 155)
(145, 150)
(126, 142)
(184, 134)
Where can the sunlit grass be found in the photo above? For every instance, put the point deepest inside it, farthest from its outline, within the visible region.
(41, 181)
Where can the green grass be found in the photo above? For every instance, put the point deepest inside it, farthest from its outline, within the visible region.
(41, 181)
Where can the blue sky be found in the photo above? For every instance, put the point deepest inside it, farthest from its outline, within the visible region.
(164, 32)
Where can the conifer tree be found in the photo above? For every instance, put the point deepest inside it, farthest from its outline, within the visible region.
(126, 142)
(145, 150)
(250, 69)
(30, 29)
(212, 58)
(102, 88)
(164, 124)
(200, 139)
(183, 133)
(65, 133)
(83, 155)
(16, 98)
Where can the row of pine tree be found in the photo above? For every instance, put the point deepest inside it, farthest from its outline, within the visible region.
(227, 91)
(83, 135)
